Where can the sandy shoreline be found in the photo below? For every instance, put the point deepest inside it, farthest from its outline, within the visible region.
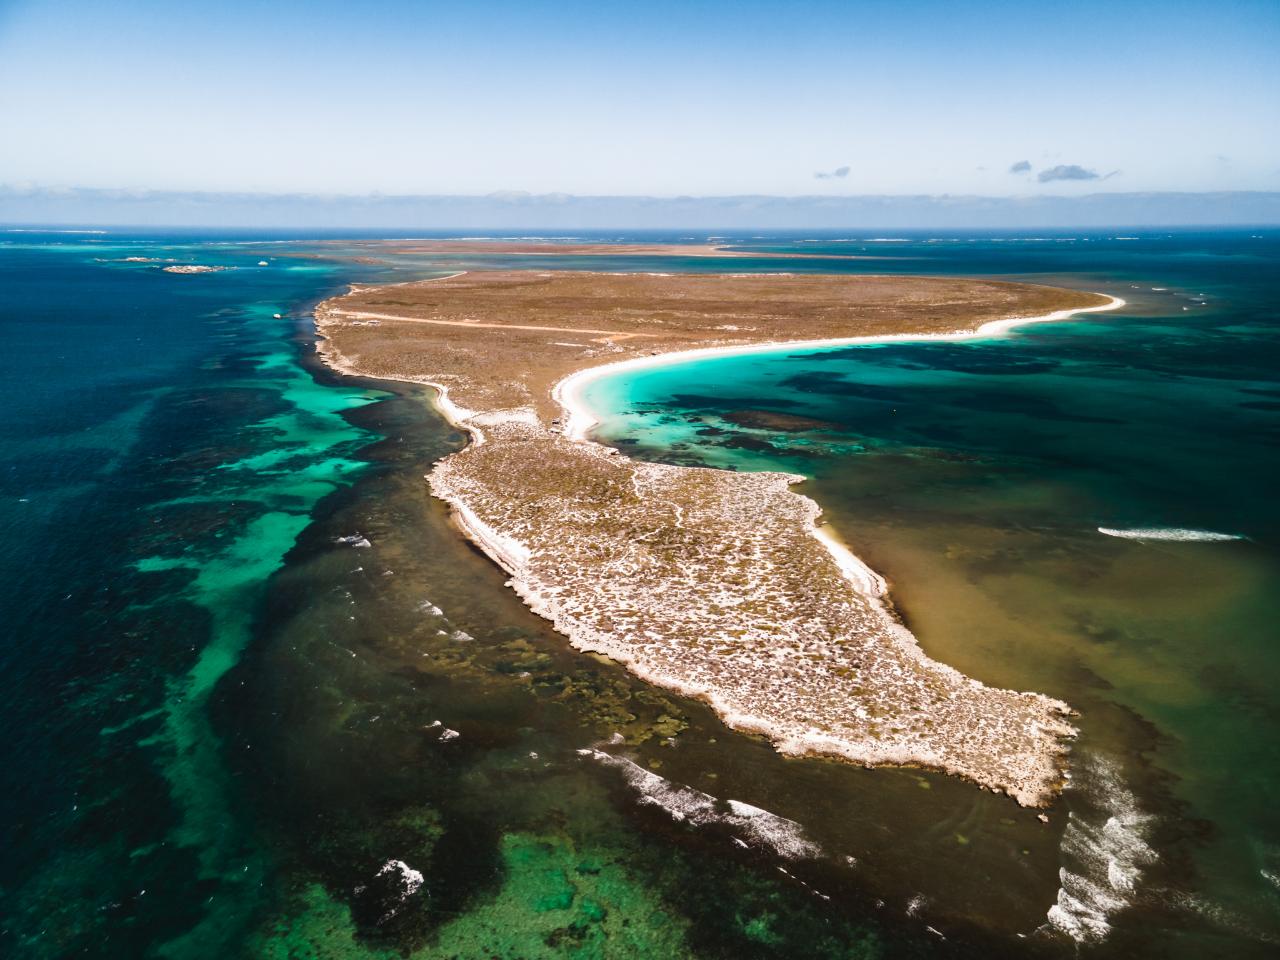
(580, 420)
(716, 584)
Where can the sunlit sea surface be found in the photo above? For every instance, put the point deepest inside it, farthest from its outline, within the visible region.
(260, 700)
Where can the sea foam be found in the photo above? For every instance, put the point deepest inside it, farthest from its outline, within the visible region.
(785, 837)
(1104, 854)
(1168, 533)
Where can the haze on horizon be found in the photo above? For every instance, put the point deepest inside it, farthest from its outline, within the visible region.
(660, 99)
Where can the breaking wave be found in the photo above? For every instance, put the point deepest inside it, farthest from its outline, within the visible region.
(1168, 533)
(785, 837)
(1104, 852)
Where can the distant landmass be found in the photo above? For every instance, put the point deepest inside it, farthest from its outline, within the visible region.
(515, 210)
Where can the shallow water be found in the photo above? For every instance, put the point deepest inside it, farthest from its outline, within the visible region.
(981, 477)
(164, 448)
(267, 703)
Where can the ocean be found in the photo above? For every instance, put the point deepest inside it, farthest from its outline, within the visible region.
(262, 701)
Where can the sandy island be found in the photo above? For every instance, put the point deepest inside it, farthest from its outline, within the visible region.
(717, 584)
(193, 268)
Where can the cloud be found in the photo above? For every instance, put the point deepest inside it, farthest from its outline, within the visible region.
(839, 173)
(1067, 171)
(1022, 166)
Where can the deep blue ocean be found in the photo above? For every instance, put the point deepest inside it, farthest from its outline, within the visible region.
(236, 624)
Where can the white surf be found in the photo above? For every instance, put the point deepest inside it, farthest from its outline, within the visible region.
(1168, 533)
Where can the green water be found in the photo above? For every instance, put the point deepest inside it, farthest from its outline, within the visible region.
(190, 449)
(977, 477)
(245, 637)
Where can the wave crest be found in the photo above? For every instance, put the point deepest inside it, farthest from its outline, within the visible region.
(1105, 852)
(1168, 533)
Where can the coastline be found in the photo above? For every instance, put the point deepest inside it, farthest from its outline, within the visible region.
(550, 507)
(580, 420)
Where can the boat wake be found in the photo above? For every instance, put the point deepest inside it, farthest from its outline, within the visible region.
(1168, 533)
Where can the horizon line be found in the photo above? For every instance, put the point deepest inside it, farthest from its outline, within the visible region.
(545, 232)
(517, 210)
(25, 190)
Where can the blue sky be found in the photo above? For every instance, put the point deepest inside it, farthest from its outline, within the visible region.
(642, 98)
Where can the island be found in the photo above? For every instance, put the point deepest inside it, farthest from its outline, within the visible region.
(378, 250)
(193, 268)
(720, 585)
